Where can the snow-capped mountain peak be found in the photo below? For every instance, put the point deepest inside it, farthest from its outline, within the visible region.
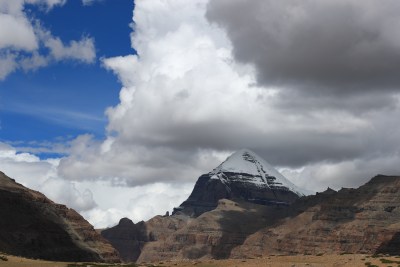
(253, 169)
(243, 176)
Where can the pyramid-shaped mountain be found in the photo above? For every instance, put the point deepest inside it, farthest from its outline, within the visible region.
(242, 176)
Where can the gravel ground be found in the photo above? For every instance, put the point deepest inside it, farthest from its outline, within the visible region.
(353, 260)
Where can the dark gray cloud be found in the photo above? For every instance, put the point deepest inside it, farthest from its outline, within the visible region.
(320, 93)
(335, 64)
(336, 46)
(357, 103)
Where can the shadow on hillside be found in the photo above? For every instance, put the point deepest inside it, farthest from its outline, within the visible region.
(32, 229)
(127, 238)
(392, 247)
(237, 226)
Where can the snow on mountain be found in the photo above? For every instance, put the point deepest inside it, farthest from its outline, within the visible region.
(244, 176)
(250, 167)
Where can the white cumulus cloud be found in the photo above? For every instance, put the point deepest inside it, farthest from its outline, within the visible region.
(82, 50)
(19, 32)
(41, 175)
(102, 203)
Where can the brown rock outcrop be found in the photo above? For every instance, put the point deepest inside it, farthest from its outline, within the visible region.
(33, 226)
(363, 220)
(213, 234)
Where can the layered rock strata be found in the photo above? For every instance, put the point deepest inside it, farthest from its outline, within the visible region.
(364, 220)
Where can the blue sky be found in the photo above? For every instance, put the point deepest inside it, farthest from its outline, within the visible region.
(67, 98)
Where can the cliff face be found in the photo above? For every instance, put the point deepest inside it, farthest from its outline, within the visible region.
(363, 220)
(33, 226)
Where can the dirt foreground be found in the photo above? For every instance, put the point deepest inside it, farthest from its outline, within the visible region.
(353, 260)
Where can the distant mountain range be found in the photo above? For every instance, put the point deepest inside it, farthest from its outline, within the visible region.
(242, 208)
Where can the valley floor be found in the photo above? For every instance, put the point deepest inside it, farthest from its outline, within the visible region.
(352, 260)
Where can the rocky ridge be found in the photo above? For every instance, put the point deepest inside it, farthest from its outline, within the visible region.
(364, 220)
(33, 226)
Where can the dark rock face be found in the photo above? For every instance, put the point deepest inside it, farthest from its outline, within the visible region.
(204, 197)
(207, 192)
(128, 238)
(132, 239)
(244, 176)
(33, 226)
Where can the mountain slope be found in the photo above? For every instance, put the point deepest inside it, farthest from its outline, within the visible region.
(33, 226)
(213, 234)
(242, 176)
(364, 220)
